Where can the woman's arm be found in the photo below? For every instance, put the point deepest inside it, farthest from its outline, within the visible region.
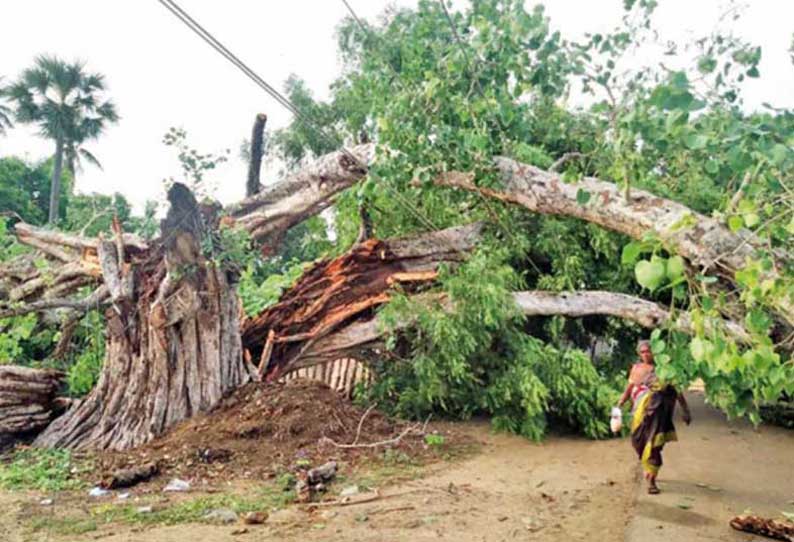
(686, 414)
(626, 394)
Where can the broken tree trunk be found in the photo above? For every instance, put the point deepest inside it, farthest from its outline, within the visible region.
(363, 338)
(333, 293)
(252, 185)
(27, 401)
(173, 346)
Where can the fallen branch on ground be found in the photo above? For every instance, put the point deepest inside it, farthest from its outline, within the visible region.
(771, 528)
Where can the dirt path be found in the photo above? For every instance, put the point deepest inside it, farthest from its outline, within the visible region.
(716, 471)
(563, 489)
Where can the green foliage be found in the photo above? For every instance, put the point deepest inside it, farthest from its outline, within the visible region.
(14, 332)
(476, 358)
(258, 294)
(92, 214)
(195, 165)
(24, 188)
(88, 355)
(40, 469)
(434, 440)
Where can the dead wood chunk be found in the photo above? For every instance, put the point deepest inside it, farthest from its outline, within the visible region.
(323, 473)
(255, 518)
(213, 455)
(131, 477)
(771, 528)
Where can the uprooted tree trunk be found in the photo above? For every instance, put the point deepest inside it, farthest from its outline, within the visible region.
(173, 345)
(173, 339)
(27, 400)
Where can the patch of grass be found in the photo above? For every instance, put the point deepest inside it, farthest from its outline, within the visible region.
(61, 526)
(41, 469)
(265, 499)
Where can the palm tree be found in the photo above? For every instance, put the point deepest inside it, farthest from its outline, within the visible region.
(5, 114)
(64, 102)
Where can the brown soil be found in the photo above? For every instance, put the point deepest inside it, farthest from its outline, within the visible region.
(264, 429)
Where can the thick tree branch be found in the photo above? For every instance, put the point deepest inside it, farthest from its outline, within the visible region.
(363, 338)
(93, 301)
(270, 213)
(702, 240)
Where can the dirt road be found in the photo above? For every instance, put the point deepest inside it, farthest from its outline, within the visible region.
(716, 471)
(563, 489)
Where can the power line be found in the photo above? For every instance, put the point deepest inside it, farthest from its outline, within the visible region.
(494, 214)
(205, 35)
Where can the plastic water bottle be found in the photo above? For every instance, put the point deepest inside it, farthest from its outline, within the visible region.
(616, 420)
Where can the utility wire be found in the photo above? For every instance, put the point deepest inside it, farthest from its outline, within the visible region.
(494, 214)
(205, 35)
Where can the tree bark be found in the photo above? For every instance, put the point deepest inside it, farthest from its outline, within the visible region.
(27, 401)
(252, 185)
(55, 185)
(269, 214)
(704, 241)
(172, 352)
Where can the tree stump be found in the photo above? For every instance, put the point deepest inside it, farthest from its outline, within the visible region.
(173, 346)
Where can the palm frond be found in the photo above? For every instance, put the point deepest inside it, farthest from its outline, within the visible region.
(86, 155)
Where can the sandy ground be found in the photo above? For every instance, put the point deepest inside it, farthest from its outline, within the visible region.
(717, 471)
(563, 489)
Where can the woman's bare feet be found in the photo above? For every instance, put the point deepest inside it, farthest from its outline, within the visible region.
(653, 489)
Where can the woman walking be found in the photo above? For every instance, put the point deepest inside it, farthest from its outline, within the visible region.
(653, 405)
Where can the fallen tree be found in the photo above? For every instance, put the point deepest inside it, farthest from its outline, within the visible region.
(174, 345)
(335, 292)
(362, 336)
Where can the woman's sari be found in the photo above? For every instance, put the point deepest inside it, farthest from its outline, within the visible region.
(652, 422)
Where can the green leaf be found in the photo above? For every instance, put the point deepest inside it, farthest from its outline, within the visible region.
(697, 347)
(751, 220)
(675, 267)
(649, 274)
(778, 154)
(582, 196)
(696, 141)
(712, 167)
(631, 252)
(735, 223)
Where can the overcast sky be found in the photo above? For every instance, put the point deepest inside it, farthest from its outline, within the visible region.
(160, 74)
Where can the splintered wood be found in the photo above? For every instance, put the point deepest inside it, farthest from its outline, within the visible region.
(334, 295)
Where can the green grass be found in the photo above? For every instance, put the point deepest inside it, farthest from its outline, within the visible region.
(63, 526)
(264, 499)
(41, 469)
(187, 511)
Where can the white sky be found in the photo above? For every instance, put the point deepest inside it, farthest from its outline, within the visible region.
(160, 74)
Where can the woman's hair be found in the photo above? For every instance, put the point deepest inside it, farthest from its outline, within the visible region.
(642, 343)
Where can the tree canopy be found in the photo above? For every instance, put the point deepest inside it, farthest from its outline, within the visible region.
(443, 91)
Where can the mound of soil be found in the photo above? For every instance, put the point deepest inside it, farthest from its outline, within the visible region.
(264, 429)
